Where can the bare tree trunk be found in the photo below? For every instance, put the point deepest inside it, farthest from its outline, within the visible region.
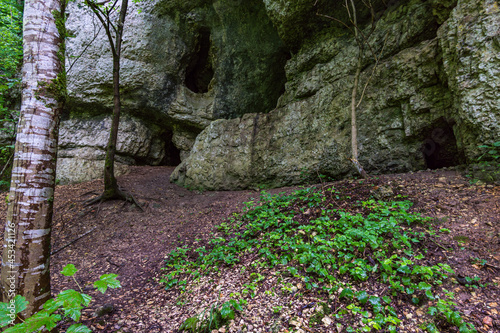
(111, 189)
(26, 253)
(114, 34)
(110, 184)
(354, 126)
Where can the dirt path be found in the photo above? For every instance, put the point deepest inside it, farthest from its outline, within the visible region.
(133, 244)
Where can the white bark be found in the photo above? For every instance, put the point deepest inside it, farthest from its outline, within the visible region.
(33, 177)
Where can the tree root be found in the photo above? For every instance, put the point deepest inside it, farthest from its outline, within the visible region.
(359, 168)
(115, 194)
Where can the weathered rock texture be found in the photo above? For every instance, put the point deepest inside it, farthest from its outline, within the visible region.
(82, 147)
(255, 93)
(184, 64)
(430, 101)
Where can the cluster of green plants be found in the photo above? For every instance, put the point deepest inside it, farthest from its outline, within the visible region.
(67, 305)
(11, 51)
(487, 166)
(213, 318)
(333, 251)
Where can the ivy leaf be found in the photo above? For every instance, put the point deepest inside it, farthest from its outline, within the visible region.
(69, 270)
(429, 294)
(433, 310)
(362, 297)
(107, 280)
(78, 328)
(226, 312)
(375, 301)
(424, 286)
(346, 293)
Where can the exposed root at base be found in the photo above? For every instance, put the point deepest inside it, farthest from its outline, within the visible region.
(113, 195)
(359, 168)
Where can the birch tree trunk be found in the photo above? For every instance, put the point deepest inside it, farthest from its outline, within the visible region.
(26, 250)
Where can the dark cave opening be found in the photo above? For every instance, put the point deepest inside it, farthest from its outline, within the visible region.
(440, 146)
(172, 153)
(199, 72)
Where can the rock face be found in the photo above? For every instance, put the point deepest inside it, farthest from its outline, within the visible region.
(431, 99)
(82, 147)
(251, 93)
(184, 64)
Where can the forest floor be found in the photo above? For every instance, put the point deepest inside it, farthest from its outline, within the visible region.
(120, 238)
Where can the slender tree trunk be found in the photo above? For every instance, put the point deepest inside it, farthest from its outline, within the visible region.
(26, 252)
(354, 126)
(114, 34)
(110, 184)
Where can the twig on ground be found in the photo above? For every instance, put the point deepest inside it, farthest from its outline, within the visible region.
(73, 241)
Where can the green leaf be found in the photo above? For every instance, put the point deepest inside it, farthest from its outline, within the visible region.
(374, 301)
(69, 270)
(78, 328)
(73, 313)
(107, 280)
(5, 319)
(73, 299)
(227, 312)
(362, 297)
(52, 305)
(40, 319)
(387, 299)
(8, 311)
(19, 328)
(429, 294)
(346, 293)
(424, 286)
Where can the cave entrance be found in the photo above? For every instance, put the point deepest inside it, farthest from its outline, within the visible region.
(440, 146)
(199, 72)
(172, 153)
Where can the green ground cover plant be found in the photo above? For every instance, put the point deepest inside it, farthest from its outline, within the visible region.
(332, 251)
(67, 305)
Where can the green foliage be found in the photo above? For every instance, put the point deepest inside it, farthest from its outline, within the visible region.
(11, 52)
(213, 318)
(492, 152)
(67, 305)
(332, 251)
(445, 314)
(487, 166)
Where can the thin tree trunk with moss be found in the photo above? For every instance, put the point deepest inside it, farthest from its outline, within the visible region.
(103, 11)
(26, 251)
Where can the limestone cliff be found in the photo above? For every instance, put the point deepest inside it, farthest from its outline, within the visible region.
(257, 93)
